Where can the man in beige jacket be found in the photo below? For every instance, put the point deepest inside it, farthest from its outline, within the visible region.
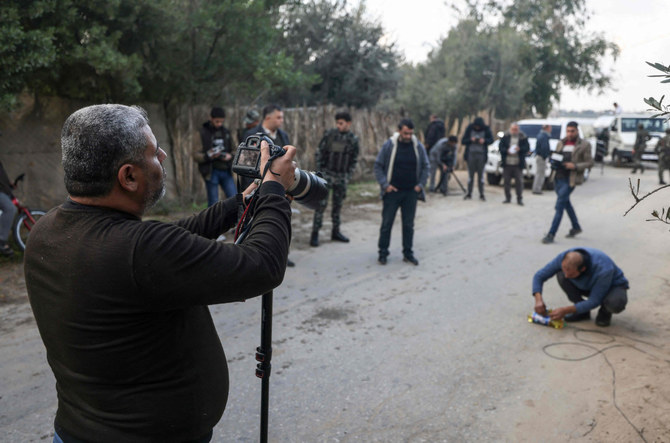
(571, 158)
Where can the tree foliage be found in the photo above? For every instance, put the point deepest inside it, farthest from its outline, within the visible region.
(344, 52)
(473, 69)
(509, 58)
(657, 105)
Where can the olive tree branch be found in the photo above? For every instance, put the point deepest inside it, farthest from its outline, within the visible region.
(636, 193)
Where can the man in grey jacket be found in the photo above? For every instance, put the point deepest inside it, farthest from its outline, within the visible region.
(401, 169)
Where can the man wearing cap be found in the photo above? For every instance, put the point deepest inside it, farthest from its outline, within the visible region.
(251, 119)
(215, 155)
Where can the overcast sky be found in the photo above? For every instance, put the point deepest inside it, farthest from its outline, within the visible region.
(641, 28)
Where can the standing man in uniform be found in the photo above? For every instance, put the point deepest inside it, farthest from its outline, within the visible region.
(476, 139)
(215, 156)
(542, 152)
(336, 158)
(513, 149)
(571, 158)
(401, 169)
(641, 137)
(663, 151)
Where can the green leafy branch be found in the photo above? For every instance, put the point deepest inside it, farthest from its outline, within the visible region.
(657, 105)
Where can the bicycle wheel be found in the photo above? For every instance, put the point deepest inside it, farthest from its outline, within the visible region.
(23, 226)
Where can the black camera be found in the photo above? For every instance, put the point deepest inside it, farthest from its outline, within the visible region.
(308, 188)
(556, 161)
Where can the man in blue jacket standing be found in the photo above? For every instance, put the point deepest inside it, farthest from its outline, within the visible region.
(584, 272)
(401, 169)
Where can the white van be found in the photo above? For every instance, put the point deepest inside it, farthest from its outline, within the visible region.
(532, 127)
(622, 131)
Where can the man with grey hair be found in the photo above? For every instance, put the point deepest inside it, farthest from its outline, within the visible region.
(121, 303)
(513, 148)
(584, 272)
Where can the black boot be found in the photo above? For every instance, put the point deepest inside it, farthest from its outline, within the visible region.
(604, 317)
(314, 239)
(337, 236)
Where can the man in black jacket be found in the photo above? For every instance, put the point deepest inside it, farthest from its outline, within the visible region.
(215, 156)
(273, 120)
(434, 131)
(122, 311)
(8, 212)
(476, 139)
(513, 150)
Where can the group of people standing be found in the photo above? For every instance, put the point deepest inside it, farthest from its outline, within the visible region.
(403, 167)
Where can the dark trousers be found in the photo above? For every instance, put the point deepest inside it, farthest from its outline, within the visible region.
(615, 301)
(476, 164)
(406, 201)
(563, 191)
(516, 173)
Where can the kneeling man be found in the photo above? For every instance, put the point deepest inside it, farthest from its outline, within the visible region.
(590, 279)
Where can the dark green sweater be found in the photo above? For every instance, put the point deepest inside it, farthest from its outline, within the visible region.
(121, 306)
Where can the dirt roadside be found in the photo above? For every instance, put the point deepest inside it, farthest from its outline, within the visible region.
(583, 383)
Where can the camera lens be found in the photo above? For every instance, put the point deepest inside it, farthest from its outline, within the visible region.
(308, 189)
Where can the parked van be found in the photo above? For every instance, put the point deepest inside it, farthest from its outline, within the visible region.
(622, 131)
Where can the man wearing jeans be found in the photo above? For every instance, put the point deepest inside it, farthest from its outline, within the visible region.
(571, 158)
(584, 272)
(401, 169)
(215, 156)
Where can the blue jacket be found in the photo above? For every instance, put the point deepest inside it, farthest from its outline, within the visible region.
(600, 276)
(542, 147)
(387, 154)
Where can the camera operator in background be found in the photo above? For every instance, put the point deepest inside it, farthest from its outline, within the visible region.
(8, 212)
(476, 139)
(336, 158)
(442, 157)
(568, 162)
(121, 303)
(215, 155)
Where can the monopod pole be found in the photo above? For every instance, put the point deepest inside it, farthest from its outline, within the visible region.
(263, 356)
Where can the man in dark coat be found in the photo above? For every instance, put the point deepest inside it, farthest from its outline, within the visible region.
(215, 156)
(513, 150)
(476, 140)
(434, 131)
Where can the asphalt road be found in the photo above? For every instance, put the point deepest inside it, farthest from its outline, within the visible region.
(438, 352)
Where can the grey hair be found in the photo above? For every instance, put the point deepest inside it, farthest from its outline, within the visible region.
(96, 142)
